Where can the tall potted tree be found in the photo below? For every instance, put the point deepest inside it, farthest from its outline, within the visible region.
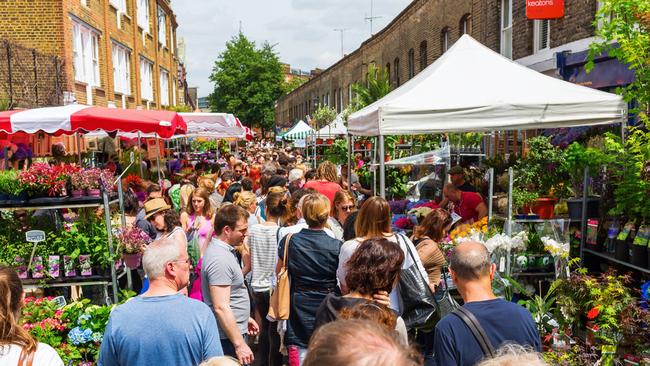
(577, 158)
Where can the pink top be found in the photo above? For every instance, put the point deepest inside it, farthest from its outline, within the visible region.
(204, 230)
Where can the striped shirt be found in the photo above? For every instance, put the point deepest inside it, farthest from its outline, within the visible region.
(263, 243)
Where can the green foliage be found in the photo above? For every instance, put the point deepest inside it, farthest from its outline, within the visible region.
(577, 158)
(323, 116)
(627, 166)
(542, 308)
(9, 183)
(543, 170)
(396, 180)
(292, 84)
(180, 108)
(378, 85)
(337, 153)
(248, 80)
(466, 139)
(203, 146)
(625, 35)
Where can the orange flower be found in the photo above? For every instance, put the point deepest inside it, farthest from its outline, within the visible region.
(593, 313)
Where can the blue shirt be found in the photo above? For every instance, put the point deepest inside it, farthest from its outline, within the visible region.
(160, 330)
(504, 322)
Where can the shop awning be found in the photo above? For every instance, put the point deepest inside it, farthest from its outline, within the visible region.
(80, 118)
(472, 88)
(298, 132)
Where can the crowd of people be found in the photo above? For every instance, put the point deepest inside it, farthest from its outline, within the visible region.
(223, 231)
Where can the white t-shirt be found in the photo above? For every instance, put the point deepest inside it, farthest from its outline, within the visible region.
(295, 229)
(44, 356)
(348, 248)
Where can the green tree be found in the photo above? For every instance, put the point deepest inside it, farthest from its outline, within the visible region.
(377, 86)
(248, 80)
(292, 84)
(624, 33)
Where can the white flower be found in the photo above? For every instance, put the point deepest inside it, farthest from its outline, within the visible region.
(555, 248)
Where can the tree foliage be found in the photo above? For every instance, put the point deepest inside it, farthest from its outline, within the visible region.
(625, 34)
(248, 80)
(323, 116)
(292, 84)
(378, 85)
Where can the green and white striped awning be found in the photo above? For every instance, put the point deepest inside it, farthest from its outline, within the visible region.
(298, 132)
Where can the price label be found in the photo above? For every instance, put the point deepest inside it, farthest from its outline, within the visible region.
(132, 157)
(35, 236)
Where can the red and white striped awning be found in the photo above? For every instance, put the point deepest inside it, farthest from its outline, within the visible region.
(80, 118)
(248, 133)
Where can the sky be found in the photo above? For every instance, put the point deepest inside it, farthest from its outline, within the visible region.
(301, 30)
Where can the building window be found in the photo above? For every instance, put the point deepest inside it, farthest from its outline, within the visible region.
(349, 94)
(162, 27)
(396, 68)
(444, 40)
(164, 87)
(327, 99)
(388, 72)
(601, 20)
(85, 53)
(411, 63)
(506, 28)
(143, 15)
(465, 25)
(84, 2)
(146, 79)
(423, 55)
(121, 69)
(340, 100)
(541, 35)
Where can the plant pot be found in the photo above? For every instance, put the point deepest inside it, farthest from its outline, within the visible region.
(368, 145)
(78, 193)
(4, 196)
(357, 146)
(387, 157)
(94, 193)
(21, 268)
(68, 267)
(132, 260)
(38, 271)
(622, 252)
(330, 141)
(85, 265)
(639, 256)
(575, 207)
(319, 141)
(544, 207)
(54, 266)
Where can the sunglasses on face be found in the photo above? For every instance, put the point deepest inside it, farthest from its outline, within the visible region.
(238, 171)
(347, 208)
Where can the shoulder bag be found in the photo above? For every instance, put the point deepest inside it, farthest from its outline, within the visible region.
(26, 359)
(447, 304)
(475, 327)
(280, 303)
(419, 306)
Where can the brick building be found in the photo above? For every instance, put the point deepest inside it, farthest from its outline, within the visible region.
(426, 28)
(113, 52)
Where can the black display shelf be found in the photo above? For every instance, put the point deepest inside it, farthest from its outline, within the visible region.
(611, 258)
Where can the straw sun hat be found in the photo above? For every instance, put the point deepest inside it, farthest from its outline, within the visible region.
(155, 206)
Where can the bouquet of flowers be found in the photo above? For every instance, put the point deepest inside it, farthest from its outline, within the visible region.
(132, 240)
(556, 248)
(80, 181)
(505, 243)
(93, 176)
(40, 178)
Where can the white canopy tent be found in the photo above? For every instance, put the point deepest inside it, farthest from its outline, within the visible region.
(472, 88)
(335, 128)
(213, 125)
(298, 132)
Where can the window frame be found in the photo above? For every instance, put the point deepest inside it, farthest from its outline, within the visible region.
(396, 71)
(162, 26)
(121, 69)
(411, 65)
(85, 54)
(444, 40)
(537, 33)
(423, 55)
(144, 15)
(146, 91)
(506, 31)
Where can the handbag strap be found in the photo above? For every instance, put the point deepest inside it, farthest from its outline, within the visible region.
(476, 329)
(286, 250)
(26, 359)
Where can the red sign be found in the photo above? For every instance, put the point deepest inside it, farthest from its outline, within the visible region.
(544, 9)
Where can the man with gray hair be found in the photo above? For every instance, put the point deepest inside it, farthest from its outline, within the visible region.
(161, 326)
(503, 322)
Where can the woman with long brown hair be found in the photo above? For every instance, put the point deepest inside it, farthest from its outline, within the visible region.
(344, 204)
(426, 236)
(374, 220)
(17, 346)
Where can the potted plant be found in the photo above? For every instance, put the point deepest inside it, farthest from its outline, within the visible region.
(542, 172)
(368, 144)
(131, 242)
(10, 187)
(577, 158)
(330, 141)
(93, 179)
(357, 145)
(80, 183)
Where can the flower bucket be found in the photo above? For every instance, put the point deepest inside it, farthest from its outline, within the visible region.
(68, 267)
(132, 260)
(368, 145)
(94, 193)
(622, 250)
(78, 193)
(544, 207)
(330, 141)
(85, 265)
(21, 268)
(54, 266)
(38, 271)
(319, 141)
(639, 255)
(357, 146)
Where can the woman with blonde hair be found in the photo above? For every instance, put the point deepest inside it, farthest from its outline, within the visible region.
(197, 222)
(344, 204)
(326, 182)
(248, 202)
(374, 220)
(17, 346)
(312, 259)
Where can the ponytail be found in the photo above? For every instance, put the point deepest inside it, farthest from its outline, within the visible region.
(11, 290)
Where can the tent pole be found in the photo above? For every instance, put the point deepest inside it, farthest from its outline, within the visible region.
(490, 193)
(623, 127)
(510, 181)
(140, 154)
(158, 158)
(78, 147)
(382, 168)
(349, 162)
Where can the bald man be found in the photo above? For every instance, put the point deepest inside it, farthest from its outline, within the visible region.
(503, 321)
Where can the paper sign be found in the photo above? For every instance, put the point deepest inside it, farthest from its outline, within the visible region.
(132, 157)
(35, 236)
(455, 217)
